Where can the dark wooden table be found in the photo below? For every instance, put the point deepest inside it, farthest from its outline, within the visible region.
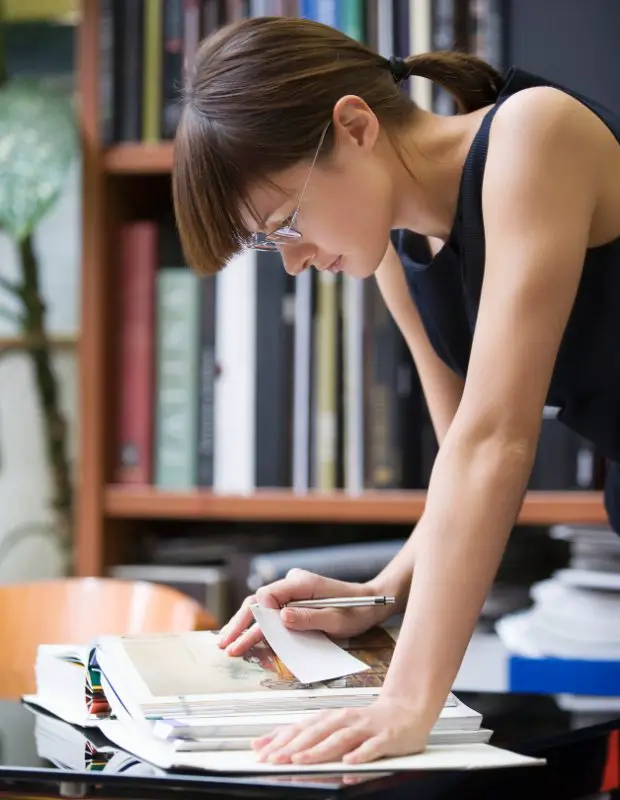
(581, 751)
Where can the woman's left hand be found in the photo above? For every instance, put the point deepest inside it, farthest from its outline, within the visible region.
(388, 727)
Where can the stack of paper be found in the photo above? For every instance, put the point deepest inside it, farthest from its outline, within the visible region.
(179, 700)
(576, 612)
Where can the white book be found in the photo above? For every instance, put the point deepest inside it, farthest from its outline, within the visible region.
(420, 42)
(353, 357)
(302, 382)
(385, 23)
(235, 386)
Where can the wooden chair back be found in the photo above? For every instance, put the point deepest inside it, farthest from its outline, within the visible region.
(75, 611)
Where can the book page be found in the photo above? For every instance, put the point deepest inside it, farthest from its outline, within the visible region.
(435, 757)
(190, 667)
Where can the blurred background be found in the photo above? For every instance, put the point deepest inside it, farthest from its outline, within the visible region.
(209, 434)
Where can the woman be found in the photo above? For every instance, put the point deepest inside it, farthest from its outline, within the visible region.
(295, 137)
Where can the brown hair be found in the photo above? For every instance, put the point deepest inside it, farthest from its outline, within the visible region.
(260, 94)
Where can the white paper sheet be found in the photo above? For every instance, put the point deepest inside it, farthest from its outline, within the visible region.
(435, 757)
(310, 655)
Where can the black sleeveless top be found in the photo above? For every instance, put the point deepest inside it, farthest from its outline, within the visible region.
(586, 378)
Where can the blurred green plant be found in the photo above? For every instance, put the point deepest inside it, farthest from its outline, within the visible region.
(38, 143)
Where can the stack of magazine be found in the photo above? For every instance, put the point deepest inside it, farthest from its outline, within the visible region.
(179, 701)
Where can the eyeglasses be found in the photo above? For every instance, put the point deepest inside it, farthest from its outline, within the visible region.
(287, 233)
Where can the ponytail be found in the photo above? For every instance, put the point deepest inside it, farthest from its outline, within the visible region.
(471, 81)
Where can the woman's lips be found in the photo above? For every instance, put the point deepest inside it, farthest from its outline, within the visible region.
(335, 266)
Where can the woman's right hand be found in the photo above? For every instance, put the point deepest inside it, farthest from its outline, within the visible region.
(239, 634)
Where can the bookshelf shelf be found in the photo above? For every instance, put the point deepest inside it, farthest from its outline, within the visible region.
(138, 159)
(388, 507)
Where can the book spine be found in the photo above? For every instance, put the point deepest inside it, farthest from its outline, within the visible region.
(132, 71)
(106, 71)
(151, 130)
(325, 412)
(136, 352)
(172, 66)
(177, 360)
(274, 363)
(442, 38)
(235, 388)
(192, 21)
(302, 382)
(351, 18)
(207, 377)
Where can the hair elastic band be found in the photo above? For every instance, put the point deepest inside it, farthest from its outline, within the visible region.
(398, 68)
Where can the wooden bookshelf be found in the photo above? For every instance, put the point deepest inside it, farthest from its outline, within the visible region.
(397, 507)
(107, 514)
(138, 159)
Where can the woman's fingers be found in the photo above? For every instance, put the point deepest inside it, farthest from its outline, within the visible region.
(248, 638)
(297, 585)
(329, 620)
(241, 632)
(332, 748)
(238, 623)
(326, 737)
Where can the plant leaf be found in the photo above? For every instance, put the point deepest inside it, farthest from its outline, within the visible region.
(37, 145)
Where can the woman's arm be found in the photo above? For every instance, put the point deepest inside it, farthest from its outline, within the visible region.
(442, 387)
(442, 390)
(544, 171)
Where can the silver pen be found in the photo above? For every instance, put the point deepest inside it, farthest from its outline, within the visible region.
(342, 602)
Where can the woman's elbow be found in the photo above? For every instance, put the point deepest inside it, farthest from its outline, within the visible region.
(497, 452)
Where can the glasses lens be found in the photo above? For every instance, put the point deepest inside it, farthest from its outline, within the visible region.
(259, 241)
(286, 234)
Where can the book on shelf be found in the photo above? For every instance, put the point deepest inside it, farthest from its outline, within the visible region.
(178, 700)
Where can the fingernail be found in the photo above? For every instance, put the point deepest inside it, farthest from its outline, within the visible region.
(289, 615)
(230, 650)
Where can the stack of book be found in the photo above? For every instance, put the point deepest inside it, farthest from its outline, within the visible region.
(179, 701)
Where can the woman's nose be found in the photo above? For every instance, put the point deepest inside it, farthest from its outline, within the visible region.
(295, 262)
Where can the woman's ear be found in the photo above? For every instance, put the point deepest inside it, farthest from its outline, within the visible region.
(355, 124)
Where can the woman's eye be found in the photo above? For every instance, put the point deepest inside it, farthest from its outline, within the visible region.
(286, 223)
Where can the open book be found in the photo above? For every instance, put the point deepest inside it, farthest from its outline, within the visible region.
(184, 685)
(179, 700)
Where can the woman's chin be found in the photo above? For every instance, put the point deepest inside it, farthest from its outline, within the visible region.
(357, 269)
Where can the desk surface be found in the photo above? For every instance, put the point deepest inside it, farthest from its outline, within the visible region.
(576, 745)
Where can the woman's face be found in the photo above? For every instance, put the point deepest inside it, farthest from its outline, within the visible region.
(346, 212)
